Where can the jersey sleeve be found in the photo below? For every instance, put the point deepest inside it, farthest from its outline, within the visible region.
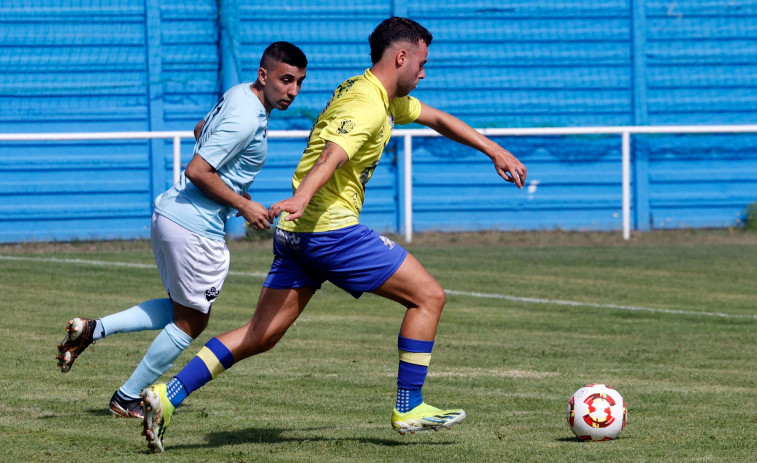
(406, 109)
(353, 124)
(226, 140)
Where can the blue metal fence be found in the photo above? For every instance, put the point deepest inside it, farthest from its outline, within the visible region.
(108, 65)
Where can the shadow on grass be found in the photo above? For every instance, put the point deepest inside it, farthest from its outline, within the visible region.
(103, 411)
(575, 440)
(276, 436)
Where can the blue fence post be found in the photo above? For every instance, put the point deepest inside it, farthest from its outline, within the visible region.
(639, 95)
(400, 183)
(228, 26)
(399, 8)
(154, 98)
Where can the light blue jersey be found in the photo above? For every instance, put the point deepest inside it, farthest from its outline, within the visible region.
(234, 142)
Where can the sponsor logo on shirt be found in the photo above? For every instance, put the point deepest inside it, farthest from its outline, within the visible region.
(346, 126)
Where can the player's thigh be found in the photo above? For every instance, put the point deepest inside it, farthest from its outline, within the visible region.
(192, 267)
(412, 286)
(276, 311)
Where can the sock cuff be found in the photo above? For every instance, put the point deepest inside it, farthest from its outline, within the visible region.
(411, 376)
(414, 345)
(221, 352)
(180, 339)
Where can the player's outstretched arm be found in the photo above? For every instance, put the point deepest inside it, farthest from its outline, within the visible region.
(508, 166)
(204, 177)
(332, 157)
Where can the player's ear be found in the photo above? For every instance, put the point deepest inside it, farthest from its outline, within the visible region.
(262, 75)
(400, 57)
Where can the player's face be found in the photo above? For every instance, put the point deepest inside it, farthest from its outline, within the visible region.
(413, 70)
(282, 84)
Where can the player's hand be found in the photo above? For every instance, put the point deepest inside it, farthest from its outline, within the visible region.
(294, 206)
(509, 167)
(255, 214)
(246, 196)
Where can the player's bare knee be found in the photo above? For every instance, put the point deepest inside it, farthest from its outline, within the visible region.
(193, 327)
(196, 331)
(197, 327)
(435, 297)
(269, 341)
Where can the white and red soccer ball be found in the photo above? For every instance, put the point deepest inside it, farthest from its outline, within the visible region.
(596, 412)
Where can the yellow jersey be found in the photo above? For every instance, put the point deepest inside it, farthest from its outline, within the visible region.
(359, 118)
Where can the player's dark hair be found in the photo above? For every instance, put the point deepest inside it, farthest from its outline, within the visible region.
(284, 52)
(396, 29)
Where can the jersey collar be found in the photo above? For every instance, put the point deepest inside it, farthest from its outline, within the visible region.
(377, 83)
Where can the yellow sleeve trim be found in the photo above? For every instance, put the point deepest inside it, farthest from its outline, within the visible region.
(416, 358)
(211, 361)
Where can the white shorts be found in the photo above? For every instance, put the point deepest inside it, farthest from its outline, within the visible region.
(192, 267)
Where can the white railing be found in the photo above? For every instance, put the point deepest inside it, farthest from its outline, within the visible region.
(624, 131)
(176, 136)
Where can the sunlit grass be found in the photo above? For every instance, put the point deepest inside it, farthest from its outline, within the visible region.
(326, 391)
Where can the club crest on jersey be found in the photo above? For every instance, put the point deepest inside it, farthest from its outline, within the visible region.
(387, 242)
(212, 293)
(346, 126)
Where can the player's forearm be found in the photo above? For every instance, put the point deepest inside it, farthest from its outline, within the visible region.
(214, 188)
(457, 130)
(206, 179)
(332, 158)
(318, 176)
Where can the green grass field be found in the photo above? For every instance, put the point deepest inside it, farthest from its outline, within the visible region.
(669, 319)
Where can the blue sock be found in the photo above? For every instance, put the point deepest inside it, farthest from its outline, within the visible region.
(212, 360)
(154, 314)
(176, 391)
(415, 357)
(163, 351)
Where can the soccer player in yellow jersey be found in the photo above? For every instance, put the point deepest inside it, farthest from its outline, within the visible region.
(319, 238)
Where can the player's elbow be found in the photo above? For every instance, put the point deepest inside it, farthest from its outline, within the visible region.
(192, 173)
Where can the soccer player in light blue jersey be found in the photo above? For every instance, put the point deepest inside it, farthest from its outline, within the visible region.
(319, 238)
(188, 225)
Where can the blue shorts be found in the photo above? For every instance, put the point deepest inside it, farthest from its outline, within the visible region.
(355, 258)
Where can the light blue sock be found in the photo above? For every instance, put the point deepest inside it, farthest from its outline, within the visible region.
(168, 345)
(154, 314)
(99, 330)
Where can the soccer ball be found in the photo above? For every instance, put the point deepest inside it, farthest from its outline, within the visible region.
(596, 412)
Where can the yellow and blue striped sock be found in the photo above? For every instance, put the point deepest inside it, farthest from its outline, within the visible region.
(212, 360)
(415, 357)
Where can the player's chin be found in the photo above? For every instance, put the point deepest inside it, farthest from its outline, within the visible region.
(283, 105)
